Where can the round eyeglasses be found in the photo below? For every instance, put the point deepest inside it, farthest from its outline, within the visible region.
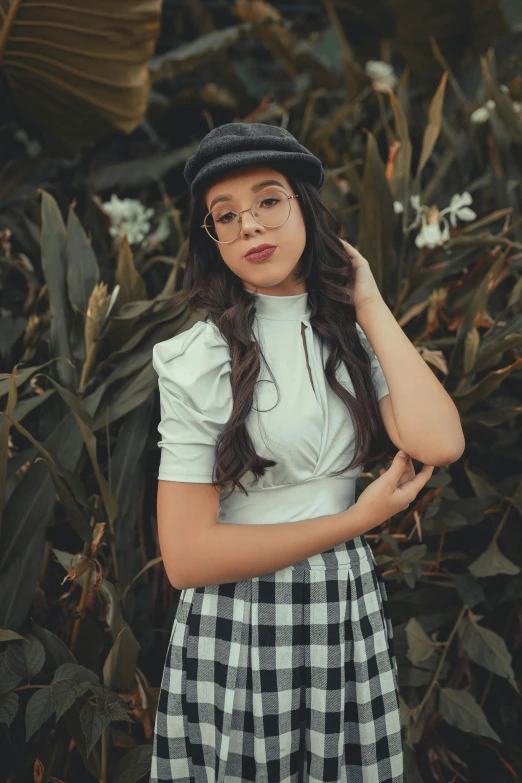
(271, 210)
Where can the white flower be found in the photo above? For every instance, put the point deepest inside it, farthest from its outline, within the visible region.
(480, 115)
(459, 208)
(504, 88)
(434, 224)
(483, 113)
(129, 217)
(382, 75)
(431, 233)
(398, 207)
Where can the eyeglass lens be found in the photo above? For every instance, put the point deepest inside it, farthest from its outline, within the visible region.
(271, 209)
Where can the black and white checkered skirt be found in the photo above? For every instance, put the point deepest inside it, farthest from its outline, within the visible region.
(285, 678)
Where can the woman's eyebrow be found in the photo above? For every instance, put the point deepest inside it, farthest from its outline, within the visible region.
(254, 189)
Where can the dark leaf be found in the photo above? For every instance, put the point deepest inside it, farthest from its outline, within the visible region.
(130, 397)
(134, 765)
(19, 580)
(34, 654)
(9, 636)
(432, 130)
(132, 285)
(477, 304)
(140, 171)
(400, 182)
(420, 646)
(84, 421)
(82, 266)
(194, 53)
(93, 723)
(39, 708)
(54, 266)
(413, 553)
(8, 707)
(75, 672)
(493, 562)
(73, 725)
(377, 217)
(127, 480)
(470, 591)
(459, 709)
(486, 648)
(56, 651)
(65, 693)
(9, 679)
(15, 534)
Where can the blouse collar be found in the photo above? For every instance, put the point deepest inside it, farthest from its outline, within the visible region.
(283, 308)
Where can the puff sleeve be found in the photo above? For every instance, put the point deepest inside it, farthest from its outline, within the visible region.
(193, 370)
(379, 381)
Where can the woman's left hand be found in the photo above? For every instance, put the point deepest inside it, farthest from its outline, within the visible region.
(408, 474)
(365, 289)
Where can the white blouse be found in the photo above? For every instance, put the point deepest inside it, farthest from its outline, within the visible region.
(303, 425)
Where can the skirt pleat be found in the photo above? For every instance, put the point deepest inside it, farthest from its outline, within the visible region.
(285, 678)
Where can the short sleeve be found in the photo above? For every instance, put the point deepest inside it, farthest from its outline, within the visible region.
(379, 381)
(193, 370)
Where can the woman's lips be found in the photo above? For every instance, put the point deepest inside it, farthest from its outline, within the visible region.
(262, 255)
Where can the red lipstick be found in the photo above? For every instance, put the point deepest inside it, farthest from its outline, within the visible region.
(260, 252)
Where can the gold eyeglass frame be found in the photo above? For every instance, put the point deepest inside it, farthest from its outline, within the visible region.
(240, 221)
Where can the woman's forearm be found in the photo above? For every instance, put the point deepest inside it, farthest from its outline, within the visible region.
(426, 418)
(230, 552)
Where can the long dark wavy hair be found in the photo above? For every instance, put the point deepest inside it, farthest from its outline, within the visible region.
(209, 284)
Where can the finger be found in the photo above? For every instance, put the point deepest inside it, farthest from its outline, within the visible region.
(351, 249)
(417, 483)
(409, 470)
(406, 477)
(399, 466)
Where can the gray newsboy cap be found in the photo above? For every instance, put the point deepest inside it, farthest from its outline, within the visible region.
(241, 144)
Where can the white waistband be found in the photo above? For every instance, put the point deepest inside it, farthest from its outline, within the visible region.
(316, 497)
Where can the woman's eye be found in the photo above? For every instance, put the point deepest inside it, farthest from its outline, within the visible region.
(226, 217)
(276, 200)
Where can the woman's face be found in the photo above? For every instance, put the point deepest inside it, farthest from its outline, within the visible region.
(236, 191)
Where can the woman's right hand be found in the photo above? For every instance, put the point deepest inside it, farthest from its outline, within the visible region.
(393, 491)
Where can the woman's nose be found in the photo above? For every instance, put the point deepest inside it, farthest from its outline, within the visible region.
(249, 223)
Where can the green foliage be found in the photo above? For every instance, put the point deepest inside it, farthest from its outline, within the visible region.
(82, 306)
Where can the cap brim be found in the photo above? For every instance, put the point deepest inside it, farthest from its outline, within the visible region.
(296, 164)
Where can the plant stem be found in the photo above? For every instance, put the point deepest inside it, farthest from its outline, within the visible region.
(81, 606)
(104, 756)
(417, 710)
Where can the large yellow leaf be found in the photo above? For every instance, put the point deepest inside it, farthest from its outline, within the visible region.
(78, 71)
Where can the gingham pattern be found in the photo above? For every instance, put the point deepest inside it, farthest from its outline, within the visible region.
(285, 678)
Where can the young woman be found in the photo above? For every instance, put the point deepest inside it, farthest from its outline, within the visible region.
(281, 665)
